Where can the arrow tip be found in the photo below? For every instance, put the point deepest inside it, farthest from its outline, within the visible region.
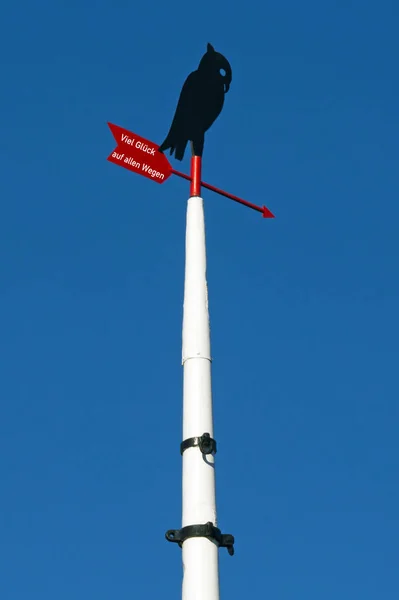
(267, 214)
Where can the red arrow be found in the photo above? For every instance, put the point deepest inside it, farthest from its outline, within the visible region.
(141, 156)
(267, 214)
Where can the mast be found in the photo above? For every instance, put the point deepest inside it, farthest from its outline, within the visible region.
(199, 536)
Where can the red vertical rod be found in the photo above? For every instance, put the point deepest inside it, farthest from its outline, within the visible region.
(195, 188)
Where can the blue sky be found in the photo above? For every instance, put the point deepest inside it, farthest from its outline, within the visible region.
(304, 308)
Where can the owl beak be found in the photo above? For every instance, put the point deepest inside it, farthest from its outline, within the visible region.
(226, 87)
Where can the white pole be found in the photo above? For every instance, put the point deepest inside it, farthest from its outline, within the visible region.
(200, 555)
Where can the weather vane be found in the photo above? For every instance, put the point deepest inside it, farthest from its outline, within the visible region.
(200, 103)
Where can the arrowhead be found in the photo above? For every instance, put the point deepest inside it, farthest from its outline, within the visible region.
(267, 214)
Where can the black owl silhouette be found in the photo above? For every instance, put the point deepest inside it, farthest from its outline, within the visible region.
(200, 103)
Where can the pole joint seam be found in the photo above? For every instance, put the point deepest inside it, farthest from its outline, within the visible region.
(185, 359)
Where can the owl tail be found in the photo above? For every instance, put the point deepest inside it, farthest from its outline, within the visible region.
(177, 148)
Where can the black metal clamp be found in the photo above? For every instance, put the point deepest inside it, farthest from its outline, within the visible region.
(206, 444)
(208, 530)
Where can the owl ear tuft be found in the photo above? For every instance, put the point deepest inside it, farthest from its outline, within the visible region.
(210, 48)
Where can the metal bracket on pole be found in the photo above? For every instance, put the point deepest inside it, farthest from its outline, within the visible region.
(209, 531)
(206, 444)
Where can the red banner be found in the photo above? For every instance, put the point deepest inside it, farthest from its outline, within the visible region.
(139, 155)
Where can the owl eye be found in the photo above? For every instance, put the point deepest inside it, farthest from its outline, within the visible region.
(222, 72)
